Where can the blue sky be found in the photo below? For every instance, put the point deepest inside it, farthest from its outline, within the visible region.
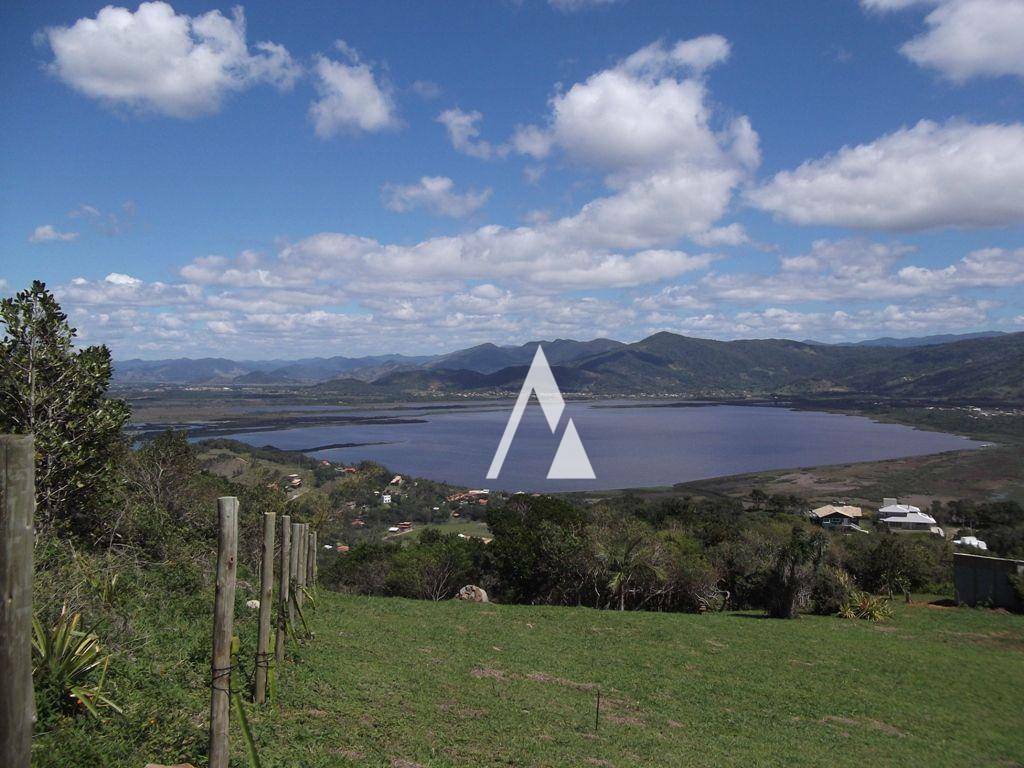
(354, 178)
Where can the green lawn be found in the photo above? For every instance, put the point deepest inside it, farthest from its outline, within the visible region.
(399, 683)
(468, 527)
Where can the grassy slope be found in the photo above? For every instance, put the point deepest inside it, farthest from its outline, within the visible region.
(473, 685)
(455, 684)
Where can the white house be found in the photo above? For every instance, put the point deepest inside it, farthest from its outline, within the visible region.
(385, 498)
(907, 517)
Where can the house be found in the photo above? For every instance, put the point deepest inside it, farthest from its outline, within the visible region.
(970, 541)
(393, 529)
(907, 518)
(357, 523)
(342, 549)
(396, 480)
(832, 516)
(407, 525)
(385, 498)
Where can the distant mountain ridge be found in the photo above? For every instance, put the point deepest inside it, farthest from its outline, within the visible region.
(987, 366)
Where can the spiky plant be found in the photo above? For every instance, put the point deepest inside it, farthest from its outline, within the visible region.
(65, 665)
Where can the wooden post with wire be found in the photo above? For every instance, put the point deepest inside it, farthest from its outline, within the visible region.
(293, 569)
(283, 607)
(17, 507)
(300, 571)
(311, 562)
(266, 606)
(223, 625)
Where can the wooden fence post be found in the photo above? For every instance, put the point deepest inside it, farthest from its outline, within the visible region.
(223, 625)
(266, 604)
(17, 505)
(282, 593)
(311, 561)
(300, 573)
(293, 568)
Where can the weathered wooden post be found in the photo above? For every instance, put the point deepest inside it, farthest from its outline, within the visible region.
(293, 568)
(266, 604)
(17, 505)
(316, 560)
(283, 607)
(300, 573)
(223, 625)
(311, 562)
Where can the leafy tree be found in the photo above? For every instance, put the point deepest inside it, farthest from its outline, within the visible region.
(626, 557)
(790, 580)
(538, 552)
(58, 393)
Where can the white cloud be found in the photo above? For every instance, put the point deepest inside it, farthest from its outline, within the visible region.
(120, 290)
(351, 98)
(464, 134)
(893, 5)
(696, 54)
(436, 194)
(156, 60)
(426, 89)
(925, 177)
(47, 233)
(833, 325)
(971, 38)
(568, 6)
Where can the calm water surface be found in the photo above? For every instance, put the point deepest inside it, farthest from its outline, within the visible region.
(628, 447)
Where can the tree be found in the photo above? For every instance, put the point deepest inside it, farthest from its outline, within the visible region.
(58, 393)
(796, 565)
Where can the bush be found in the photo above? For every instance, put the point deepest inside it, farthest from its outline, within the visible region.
(832, 588)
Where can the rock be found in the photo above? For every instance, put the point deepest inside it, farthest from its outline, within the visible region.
(252, 605)
(472, 593)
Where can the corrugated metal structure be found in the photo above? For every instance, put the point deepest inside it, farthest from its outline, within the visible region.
(982, 580)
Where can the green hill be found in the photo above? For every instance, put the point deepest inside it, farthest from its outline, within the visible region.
(406, 684)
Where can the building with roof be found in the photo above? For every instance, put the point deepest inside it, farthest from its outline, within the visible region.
(836, 516)
(907, 518)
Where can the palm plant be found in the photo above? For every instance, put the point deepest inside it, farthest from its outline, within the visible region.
(65, 661)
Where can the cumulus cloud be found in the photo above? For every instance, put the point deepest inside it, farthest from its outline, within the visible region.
(965, 38)
(851, 271)
(121, 290)
(47, 233)
(925, 177)
(971, 38)
(837, 324)
(157, 60)
(436, 194)
(464, 134)
(351, 97)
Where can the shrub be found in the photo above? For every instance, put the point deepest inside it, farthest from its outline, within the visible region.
(832, 588)
(861, 605)
(65, 662)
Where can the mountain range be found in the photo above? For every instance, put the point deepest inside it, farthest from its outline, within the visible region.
(981, 366)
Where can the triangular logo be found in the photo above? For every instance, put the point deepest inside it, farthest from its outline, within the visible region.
(570, 462)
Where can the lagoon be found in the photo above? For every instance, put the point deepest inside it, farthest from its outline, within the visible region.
(629, 444)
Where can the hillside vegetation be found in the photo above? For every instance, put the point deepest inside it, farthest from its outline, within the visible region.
(990, 368)
(978, 369)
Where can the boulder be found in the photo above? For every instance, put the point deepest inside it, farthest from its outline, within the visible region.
(252, 605)
(472, 593)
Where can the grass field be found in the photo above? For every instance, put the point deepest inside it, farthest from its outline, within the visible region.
(398, 683)
(468, 527)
